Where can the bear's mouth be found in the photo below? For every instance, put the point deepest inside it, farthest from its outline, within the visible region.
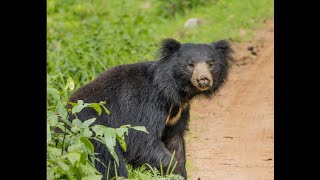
(203, 87)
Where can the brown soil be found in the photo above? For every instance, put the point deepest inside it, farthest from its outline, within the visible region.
(231, 136)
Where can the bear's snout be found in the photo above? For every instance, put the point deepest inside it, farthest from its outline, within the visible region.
(201, 76)
(203, 82)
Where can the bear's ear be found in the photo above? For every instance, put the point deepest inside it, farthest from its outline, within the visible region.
(224, 49)
(168, 47)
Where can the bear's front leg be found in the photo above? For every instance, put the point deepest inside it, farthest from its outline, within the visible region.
(153, 154)
(173, 138)
(176, 143)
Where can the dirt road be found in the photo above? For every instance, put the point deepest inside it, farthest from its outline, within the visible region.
(231, 136)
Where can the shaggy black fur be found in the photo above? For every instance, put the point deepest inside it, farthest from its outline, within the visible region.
(142, 94)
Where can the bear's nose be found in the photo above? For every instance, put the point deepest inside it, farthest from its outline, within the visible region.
(203, 81)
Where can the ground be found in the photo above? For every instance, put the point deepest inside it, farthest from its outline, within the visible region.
(232, 135)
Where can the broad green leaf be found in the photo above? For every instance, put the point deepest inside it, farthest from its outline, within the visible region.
(88, 122)
(122, 142)
(76, 171)
(98, 130)
(66, 121)
(75, 129)
(77, 122)
(73, 157)
(63, 166)
(114, 154)
(105, 109)
(83, 158)
(62, 111)
(110, 140)
(110, 136)
(87, 132)
(78, 108)
(89, 170)
(96, 107)
(50, 113)
(121, 131)
(61, 126)
(75, 147)
(69, 84)
(140, 128)
(88, 144)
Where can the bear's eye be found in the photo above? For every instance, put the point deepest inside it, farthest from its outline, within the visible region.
(210, 65)
(190, 65)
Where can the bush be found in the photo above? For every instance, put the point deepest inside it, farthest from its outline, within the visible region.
(70, 153)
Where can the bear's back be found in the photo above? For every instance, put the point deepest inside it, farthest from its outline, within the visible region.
(114, 81)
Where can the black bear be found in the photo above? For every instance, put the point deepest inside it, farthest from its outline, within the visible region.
(156, 94)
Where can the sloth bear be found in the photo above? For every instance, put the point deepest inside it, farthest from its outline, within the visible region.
(157, 95)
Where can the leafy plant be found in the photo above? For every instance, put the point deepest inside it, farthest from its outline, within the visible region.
(70, 152)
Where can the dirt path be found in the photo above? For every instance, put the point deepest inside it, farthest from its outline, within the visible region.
(231, 136)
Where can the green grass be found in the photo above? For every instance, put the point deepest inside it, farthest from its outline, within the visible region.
(145, 173)
(86, 37)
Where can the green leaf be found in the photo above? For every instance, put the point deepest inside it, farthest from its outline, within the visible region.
(105, 109)
(78, 108)
(87, 133)
(98, 129)
(69, 84)
(140, 128)
(96, 107)
(76, 147)
(62, 111)
(88, 144)
(76, 122)
(83, 158)
(66, 121)
(75, 129)
(63, 166)
(114, 154)
(122, 131)
(122, 142)
(110, 141)
(53, 152)
(110, 136)
(88, 122)
(73, 157)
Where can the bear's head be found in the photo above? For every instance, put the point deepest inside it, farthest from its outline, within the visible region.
(193, 69)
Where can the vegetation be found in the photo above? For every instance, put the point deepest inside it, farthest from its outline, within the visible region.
(86, 37)
(70, 153)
